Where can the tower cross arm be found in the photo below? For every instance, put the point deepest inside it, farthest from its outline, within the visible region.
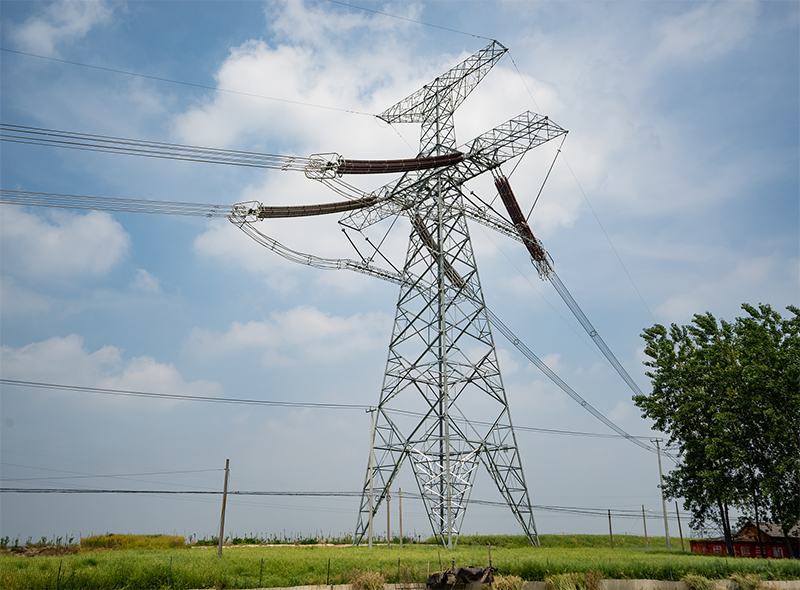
(454, 86)
(486, 152)
(513, 138)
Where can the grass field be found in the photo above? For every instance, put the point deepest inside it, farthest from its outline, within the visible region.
(241, 567)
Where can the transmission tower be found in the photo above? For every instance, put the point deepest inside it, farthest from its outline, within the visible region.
(442, 404)
(442, 356)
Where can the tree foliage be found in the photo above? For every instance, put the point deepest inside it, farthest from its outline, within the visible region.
(728, 397)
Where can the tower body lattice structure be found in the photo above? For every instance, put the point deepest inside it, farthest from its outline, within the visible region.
(442, 405)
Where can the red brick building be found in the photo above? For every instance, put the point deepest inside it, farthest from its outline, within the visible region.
(746, 542)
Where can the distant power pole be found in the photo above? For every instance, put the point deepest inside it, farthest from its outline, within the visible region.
(224, 499)
(610, 532)
(400, 508)
(371, 458)
(644, 522)
(388, 522)
(661, 485)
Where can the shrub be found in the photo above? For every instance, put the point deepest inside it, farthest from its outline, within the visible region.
(593, 578)
(569, 581)
(747, 581)
(366, 580)
(507, 583)
(695, 582)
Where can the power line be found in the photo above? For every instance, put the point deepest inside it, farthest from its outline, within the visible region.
(151, 149)
(608, 238)
(67, 201)
(410, 20)
(181, 397)
(274, 403)
(87, 475)
(576, 510)
(192, 84)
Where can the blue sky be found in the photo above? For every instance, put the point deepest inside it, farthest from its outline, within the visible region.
(676, 193)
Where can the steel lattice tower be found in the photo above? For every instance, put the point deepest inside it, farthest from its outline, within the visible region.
(442, 355)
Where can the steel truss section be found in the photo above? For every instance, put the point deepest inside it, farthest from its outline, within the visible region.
(483, 154)
(442, 363)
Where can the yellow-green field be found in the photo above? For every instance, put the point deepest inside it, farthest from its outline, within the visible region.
(241, 567)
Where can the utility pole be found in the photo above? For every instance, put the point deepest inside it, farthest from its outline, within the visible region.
(661, 485)
(371, 455)
(400, 508)
(610, 532)
(680, 530)
(644, 522)
(388, 522)
(224, 499)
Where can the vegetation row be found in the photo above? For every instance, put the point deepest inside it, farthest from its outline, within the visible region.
(283, 566)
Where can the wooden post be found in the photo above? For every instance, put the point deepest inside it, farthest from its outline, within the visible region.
(400, 508)
(644, 521)
(680, 530)
(224, 499)
(610, 532)
(490, 555)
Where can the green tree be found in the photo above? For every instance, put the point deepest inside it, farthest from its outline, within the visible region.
(728, 397)
(769, 348)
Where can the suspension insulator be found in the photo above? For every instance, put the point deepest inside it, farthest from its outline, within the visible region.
(388, 166)
(518, 219)
(264, 212)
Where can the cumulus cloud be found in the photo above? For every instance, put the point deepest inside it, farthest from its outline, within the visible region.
(746, 280)
(16, 299)
(707, 31)
(60, 22)
(300, 334)
(537, 398)
(61, 244)
(65, 360)
(145, 282)
(309, 64)
(624, 412)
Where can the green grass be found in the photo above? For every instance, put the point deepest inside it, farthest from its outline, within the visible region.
(111, 541)
(284, 566)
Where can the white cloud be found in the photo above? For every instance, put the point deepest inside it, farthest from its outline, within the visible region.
(747, 280)
(61, 244)
(708, 31)
(223, 242)
(303, 334)
(67, 361)
(15, 299)
(145, 282)
(508, 363)
(538, 398)
(314, 68)
(299, 22)
(60, 22)
(624, 412)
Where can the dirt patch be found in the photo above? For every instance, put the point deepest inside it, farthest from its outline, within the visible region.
(48, 550)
